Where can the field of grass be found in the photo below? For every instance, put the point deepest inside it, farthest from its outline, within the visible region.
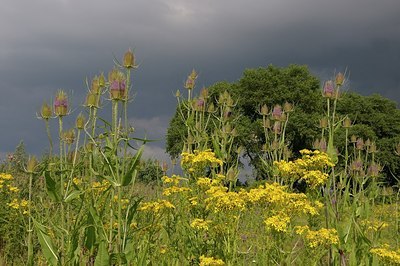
(84, 203)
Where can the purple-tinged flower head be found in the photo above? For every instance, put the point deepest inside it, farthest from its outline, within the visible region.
(113, 75)
(339, 80)
(360, 144)
(329, 90)
(45, 111)
(322, 145)
(316, 144)
(61, 104)
(118, 89)
(277, 112)
(374, 170)
(200, 104)
(357, 165)
(191, 80)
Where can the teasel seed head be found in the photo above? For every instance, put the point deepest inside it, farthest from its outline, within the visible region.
(129, 59)
(45, 111)
(323, 123)
(329, 90)
(31, 165)
(80, 121)
(347, 122)
(287, 107)
(264, 110)
(339, 79)
(61, 104)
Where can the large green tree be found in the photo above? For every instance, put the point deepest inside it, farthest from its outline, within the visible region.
(375, 117)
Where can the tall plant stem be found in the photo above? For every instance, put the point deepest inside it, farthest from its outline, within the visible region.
(30, 228)
(46, 121)
(60, 125)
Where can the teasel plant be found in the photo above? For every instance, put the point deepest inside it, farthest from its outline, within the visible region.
(275, 147)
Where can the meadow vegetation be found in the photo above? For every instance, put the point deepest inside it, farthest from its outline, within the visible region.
(93, 200)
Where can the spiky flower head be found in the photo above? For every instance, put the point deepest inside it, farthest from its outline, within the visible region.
(191, 80)
(264, 110)
(80, 121)
(323, 123)
(287, 107)
(118, 89)
(102, 80)
(339, 79)
(45, 111)
(69, 136)
(95, 87)
(277, 112)
(31, 165)
(347, 122)
(92, 100)
(329, 90)
(129, 59)
(61, 104)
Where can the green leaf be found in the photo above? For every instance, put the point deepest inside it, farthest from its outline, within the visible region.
(127, 178)
(73, 195)
(49, 252)
(102, 258)
(51, 187)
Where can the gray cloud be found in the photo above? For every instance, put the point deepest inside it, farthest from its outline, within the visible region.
(50, 44)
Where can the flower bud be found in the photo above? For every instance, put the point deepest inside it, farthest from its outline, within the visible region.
(95, 88)
(353, 139)
(316, 144)
(204, 93)
(113, 75)
(372, 148)
(277, 127)
(31, 165)
(264, 110)
(360, 144)
(231, 175)
(177, 94)
(287, 107)
(92, 100)
(190, 81)
(367, 143)
(69, 136)
(267, 123)
(322, 145)
(323, 123)
(277, 112)
(102, 80)
(129, 59)
(374, 170)
(347, 122)
(329, 90)
(45, 111)
(80, 121)
(339, 79)
(61, 104)
(118, 90)
(211, 108)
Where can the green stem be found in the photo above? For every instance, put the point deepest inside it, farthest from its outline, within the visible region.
(30, 228)
(49, 136)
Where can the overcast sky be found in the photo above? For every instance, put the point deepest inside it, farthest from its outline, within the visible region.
(46, 45)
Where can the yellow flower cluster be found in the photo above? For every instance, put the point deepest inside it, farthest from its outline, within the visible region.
(200, 224)
(374, 225)
(309, 168)
(124, 202)
(19, 204)
(198, 161)
(4, 178)
(101, 186)
(156, 206)
(322, 237)
(221, 200)
(210, 261)
(278, 222)
(174, 189)
(175, 179)
(206, 183)
(386, 254)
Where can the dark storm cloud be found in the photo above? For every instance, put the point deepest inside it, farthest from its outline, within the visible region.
(50, 44)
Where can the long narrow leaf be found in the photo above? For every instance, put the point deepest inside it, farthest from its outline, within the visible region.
(46, 243)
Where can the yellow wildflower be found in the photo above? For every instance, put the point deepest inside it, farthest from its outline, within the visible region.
(386, 254)
(156, 206)
(174, 189)
(210, 261)
(278, 222)
(200, 224)
(322, 237)
(5, 176)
